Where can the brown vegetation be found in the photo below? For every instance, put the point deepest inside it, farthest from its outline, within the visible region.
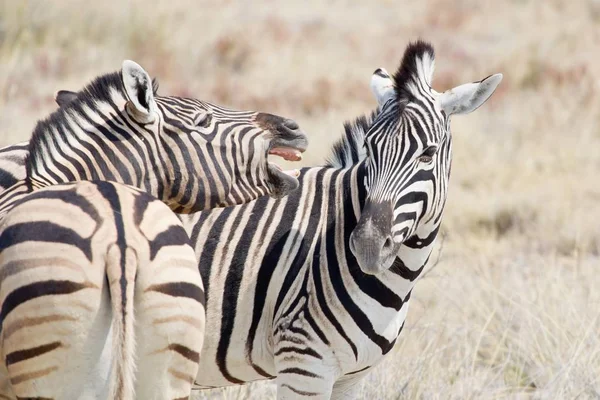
(511, 309)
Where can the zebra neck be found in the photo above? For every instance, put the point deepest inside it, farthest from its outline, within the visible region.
(72, 149)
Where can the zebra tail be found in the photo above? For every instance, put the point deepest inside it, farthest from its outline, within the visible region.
(122, 264)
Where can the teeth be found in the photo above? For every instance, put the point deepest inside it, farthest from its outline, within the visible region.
(293, 172)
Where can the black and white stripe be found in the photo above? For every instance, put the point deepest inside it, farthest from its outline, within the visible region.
(100, 296)
(303, 288)
(12, 164)
(287, 297)
(188, 153)
(191, 155)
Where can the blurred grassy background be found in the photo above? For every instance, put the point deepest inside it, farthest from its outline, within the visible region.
(511, 307)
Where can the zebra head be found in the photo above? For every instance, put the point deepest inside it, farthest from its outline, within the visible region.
(409, 152)
(191, 154)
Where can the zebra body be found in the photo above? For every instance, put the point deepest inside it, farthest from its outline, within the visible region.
(313, 289)
(190, 155)
(99, 286)
(285, 296)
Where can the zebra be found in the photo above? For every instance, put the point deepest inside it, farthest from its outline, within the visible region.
(189, 154)
(312, 290)
(99, 286)
(293, 293)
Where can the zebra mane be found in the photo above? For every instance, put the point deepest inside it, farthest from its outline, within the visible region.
(416, 70)
(350, 148)
(102, 88)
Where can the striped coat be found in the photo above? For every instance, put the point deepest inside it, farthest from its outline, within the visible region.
(60, 242)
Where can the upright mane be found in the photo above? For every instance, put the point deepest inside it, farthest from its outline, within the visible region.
(415, 71)
(350, 148)
(101, 90)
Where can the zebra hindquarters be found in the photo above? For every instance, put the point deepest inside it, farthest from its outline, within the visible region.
(169, 304)
(55, 317)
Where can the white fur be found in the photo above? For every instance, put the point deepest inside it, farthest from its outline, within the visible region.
(382, 88)
(138, 84)
(466, 98)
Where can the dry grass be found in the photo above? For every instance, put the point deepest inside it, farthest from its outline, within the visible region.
(512, 308)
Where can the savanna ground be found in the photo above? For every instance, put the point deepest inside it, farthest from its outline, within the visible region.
(511, 306)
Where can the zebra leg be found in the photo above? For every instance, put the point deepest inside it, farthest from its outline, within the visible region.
(299, 382)
(302, 372)
(169, 312)
(55, 316)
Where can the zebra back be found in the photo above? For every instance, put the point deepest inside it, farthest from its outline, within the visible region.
(100, 296)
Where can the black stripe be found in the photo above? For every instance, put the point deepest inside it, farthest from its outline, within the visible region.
(272, 255)
(231, 289)
(15, 147)
(38, 289)
(298, 331)
(297, 350)
(7, 179)
(322, 299)
(26, 354)
(43, 231)
(380, 73)
(211, 243)
(299, 371)
(68, 196)
(415, 242)
(313, 215)
(315, 326)
(399, 268)
(185, 351)
(174, 235)
(360, 370)
(298, 391)
(179, 289)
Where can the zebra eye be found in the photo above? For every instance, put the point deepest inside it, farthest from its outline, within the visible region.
(427, 156)
(203, 119)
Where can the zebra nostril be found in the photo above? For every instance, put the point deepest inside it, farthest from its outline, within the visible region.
(291, 124)
(389, 243)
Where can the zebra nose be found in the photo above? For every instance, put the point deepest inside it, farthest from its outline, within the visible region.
(291, 124)
(286, 132)
(290, 131)
(388, 244)
(368, 249)
(371, 240)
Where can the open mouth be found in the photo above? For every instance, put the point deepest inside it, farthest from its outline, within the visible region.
(283, 180)
(285, 140)
(288, 154)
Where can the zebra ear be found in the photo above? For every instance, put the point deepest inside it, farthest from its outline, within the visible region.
(139, 90)
(466, 98)
(64, 97)
(382, 86)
